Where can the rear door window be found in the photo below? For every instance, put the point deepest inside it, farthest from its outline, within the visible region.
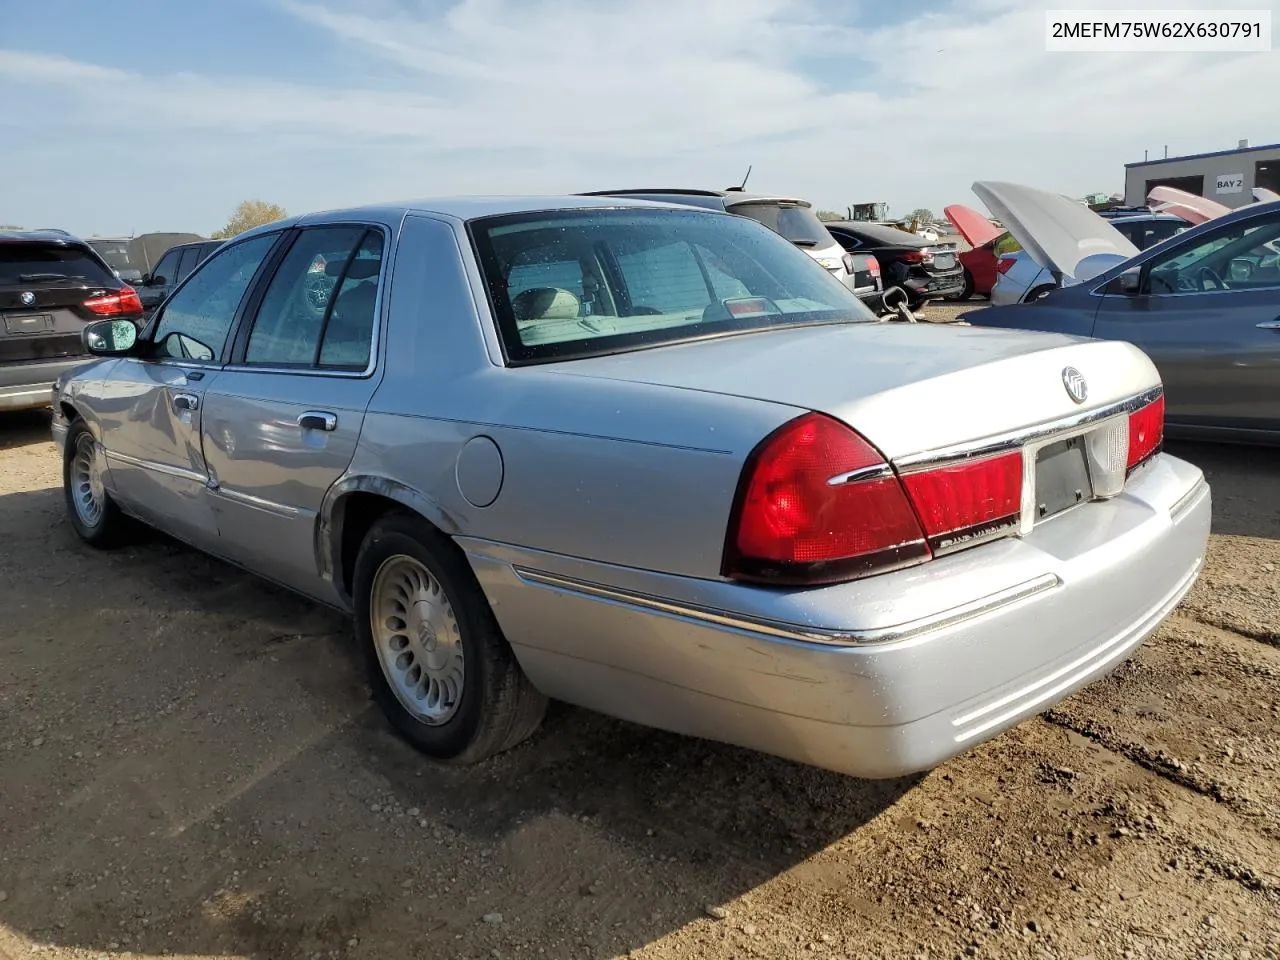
(319, 307)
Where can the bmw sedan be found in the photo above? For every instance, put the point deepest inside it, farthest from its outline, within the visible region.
(648, 459)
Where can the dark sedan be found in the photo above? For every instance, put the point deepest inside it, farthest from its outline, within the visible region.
(924, 270)
(1204, 305)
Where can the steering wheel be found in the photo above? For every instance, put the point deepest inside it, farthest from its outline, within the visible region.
(316, 290)
(1211, 275)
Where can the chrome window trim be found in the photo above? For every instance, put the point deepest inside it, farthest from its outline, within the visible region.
(787, 631)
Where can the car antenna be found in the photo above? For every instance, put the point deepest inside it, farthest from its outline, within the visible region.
(742, 186)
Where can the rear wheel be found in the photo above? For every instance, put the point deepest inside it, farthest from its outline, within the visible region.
(436, 659)
(95, 516)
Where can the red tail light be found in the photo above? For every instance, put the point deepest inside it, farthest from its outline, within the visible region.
(914, 256)
(956, 503)
(1004, 263)
(124, 301)
(1146, 432)
(874, 266)
(818, 504)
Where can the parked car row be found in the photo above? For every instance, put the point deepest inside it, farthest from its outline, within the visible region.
(644, 457)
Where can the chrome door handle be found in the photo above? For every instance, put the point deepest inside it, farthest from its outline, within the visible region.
(186, 401)
(1270, 325)
(318, 420)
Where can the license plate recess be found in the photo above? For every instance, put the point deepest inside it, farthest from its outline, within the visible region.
(1062, 477)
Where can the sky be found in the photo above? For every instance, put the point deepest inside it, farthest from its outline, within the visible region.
(139, 115)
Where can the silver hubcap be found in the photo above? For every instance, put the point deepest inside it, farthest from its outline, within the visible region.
(417, 638)
(86, 481)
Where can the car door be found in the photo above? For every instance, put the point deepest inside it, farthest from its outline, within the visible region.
(150, 405)
(1211, 325)
(161, 281)
(282, 420)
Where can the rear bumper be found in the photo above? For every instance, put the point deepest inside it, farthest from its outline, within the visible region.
(877, 678)
(935, 286)
(25, 386)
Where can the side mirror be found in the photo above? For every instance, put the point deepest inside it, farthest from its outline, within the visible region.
(109, 338)
(144, 280)
(156, 281)
(1131, 281)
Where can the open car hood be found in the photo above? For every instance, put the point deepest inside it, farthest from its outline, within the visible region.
(1058, 233)
(1189, 206)
(976, 229)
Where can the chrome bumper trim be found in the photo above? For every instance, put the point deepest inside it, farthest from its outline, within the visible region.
(790, 631)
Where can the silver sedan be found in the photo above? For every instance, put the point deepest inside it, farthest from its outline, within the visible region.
(646, 459)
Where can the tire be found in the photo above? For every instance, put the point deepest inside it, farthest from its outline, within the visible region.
(967, 291)
(1036, 293)
(96, 518)
(483, 702)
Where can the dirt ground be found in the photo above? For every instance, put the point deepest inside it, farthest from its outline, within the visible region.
(190, 766)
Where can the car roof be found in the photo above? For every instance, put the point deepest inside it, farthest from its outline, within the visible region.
(726, 198)
(463, 208)
(50, 235)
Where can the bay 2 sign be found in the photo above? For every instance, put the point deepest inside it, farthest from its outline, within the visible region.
(1229, 183)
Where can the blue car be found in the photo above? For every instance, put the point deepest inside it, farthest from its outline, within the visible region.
(1204, 305)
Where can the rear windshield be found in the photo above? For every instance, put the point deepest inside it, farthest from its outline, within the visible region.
(116, 253)
(32, 262)
(798, 224)
(568, 284)
(1147, 233)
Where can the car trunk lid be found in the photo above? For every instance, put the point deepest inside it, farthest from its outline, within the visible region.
(908, 388)
(1058, 233)
(976, 229)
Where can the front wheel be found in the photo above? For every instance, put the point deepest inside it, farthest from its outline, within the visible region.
(436, 659)
(93, 514)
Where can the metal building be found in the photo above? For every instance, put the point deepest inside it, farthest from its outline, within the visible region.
(1227, 176)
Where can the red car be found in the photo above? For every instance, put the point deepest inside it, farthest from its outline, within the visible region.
(980, 262)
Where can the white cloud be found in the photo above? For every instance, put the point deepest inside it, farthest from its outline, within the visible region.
(558, 95)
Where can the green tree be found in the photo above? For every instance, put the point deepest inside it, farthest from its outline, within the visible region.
(250, 214)
(923, 214)
(828, 215)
